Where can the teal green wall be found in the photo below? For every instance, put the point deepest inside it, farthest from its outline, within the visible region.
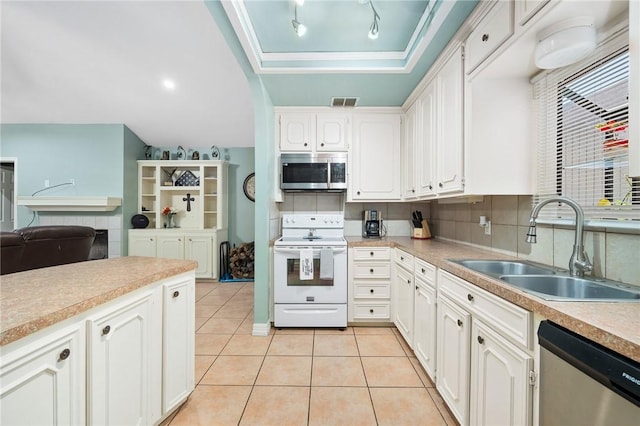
(241, 209)
(100, 157)
(264, 164)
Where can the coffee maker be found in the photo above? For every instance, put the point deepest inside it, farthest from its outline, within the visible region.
(371, 224)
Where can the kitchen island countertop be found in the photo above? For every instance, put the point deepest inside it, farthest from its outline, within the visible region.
(35, 299)
(615, 325)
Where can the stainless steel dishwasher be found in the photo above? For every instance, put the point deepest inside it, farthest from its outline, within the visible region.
(583, 383)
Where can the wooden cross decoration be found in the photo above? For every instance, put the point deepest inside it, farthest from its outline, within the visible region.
(188, 199)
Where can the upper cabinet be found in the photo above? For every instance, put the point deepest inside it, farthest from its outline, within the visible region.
(313, 132)
(492, 31)
(374, 158)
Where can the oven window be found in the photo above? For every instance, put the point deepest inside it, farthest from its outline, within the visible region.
(305, 173)
(293, 274)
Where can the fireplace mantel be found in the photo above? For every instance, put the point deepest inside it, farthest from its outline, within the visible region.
(70, 204)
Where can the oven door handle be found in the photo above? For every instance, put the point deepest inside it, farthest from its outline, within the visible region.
(297, 249)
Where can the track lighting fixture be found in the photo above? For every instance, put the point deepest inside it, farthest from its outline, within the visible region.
(298, 27)
(373, 30)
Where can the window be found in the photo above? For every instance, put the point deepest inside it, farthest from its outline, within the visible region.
(583, 138)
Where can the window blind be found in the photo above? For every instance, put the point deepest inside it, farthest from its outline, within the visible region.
(583, 139)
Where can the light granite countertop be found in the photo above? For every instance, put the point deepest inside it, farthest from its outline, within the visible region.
(613, 325)
(33, 300)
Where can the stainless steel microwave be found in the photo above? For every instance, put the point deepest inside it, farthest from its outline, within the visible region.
(313, 172)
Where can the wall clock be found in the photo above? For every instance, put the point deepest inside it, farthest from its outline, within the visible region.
(249, 187)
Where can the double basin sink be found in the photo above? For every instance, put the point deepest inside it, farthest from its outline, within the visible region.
(553, 284)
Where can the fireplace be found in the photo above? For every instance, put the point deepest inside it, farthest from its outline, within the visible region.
(100, 247)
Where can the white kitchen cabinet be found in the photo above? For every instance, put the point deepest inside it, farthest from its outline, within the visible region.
(178, 243)
(124, 358)
(527, 9)
(500, 387)
(424, 323)
(312, 131)
(403, 295)
(449, 126)
(369, 278)
(452, 379)
(426, 142)
(374, 158)
(177, 342)
(42, 383)
(494, 29)
(409, 149)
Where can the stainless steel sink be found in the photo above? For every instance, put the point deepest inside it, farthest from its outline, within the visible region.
(559, 287)
(497, 268)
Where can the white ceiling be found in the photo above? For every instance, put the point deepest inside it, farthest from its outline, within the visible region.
(105, 62)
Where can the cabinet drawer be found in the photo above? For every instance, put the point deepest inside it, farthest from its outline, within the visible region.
(494, 29)
(377, 311)
(372, 270)
(405, 259)
(425, 271)
(371, 291)
(510, 320)
(372, 253)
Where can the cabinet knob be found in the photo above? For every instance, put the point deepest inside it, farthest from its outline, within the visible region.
(430, 186)
(305, 144)
(413, 190)
(64, 354)
(106, 330)
(370, 311)
(179, 239)
(322, 144)
(440, 185)
(358, 192)
(416, 287)
(401, 258)
(371, 291)
(371, 253)
(485, 37)
(371, 270)
(408, 281)
(423, 271)
(459, 323)
(176, 293)
(150, 239)
(480, 340)
(469, 297)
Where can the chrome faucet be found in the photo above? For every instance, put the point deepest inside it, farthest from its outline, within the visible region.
(579, 262)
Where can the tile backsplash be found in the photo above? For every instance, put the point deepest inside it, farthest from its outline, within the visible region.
(613, 254)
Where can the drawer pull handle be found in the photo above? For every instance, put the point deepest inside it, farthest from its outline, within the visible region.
(371, 270)
(106, 330)
(371, 291)
(459, 323)
(370, 311)
(176, 293)
(470, 297)
(64, 354)
(485, 37)
(480, 340)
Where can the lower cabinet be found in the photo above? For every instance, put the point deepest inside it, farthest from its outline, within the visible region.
(369, 278)
(42, 383)
(200, 246)
(403, 291)
(452, 380)
(424, 322)
(122, 354)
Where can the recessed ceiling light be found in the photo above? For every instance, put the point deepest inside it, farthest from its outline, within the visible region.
(169, 84)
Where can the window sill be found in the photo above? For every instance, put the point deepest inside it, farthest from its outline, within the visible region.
(612, 226)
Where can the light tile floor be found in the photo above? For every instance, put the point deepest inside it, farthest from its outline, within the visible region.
(360, 376)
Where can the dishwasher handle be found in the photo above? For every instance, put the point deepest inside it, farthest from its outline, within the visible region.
(613, 370)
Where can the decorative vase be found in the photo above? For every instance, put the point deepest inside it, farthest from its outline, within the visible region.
(170, 221)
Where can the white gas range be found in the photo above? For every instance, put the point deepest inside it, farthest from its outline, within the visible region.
(310, 272)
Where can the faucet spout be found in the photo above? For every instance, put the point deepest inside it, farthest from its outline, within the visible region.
(579, 262)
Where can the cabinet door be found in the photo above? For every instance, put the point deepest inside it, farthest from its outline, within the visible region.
(43, 383)
(403, 303)
(331, 134)
(375, 157)
(426, 145)
(142, 245)
(450, 143)
(411, 135)
(297, 132)
(171, 246)
(424, 327)
(452, 380)
(500, 389)
(199, 248)
(178, 342)
(121, 363)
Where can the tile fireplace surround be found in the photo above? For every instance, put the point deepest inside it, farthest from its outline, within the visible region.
(112, 223)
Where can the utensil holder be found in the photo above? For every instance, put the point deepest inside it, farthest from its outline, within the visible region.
(422, 233)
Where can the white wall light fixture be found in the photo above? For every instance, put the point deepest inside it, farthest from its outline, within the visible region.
(565, 42)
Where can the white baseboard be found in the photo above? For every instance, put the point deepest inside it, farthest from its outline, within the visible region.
(261, 329)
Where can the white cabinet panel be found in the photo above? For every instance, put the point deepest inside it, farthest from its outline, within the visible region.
(403, 302)
(43, 383)
(426, 145)
(494, 30)
(331, 134)
(142, 245)
(171, 246)
(424, 326)
(200, 249)
(297, 132)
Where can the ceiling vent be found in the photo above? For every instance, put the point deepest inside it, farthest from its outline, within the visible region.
(344, 102)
